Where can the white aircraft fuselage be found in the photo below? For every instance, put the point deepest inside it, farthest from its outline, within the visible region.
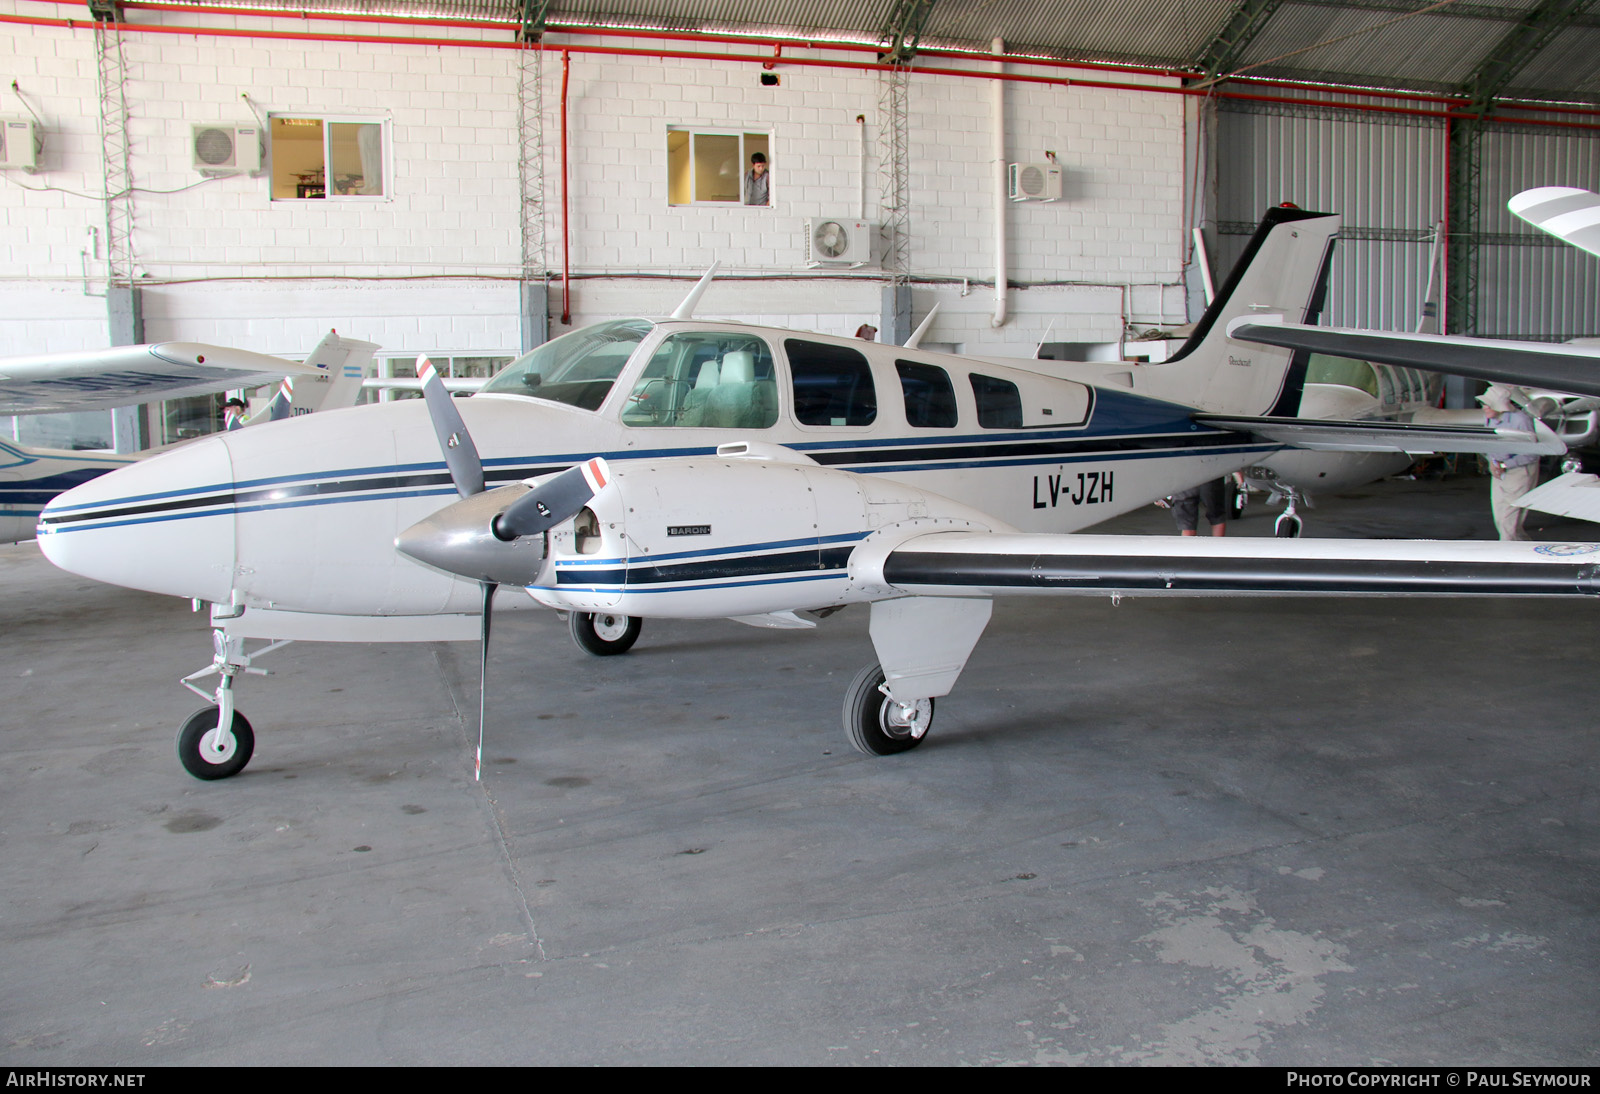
(301, 515)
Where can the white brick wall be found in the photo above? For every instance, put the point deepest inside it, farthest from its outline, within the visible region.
(227, 264)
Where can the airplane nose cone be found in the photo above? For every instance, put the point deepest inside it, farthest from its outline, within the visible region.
(163, 525)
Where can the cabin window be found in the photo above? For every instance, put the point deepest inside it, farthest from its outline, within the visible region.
(577, 369)
(832, 384)
(999, 402)
(929, 396)
(706, 379)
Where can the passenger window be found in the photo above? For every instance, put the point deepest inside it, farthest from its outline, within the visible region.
(999, 402)
(832, 384)
(930, 399)
(706, 379)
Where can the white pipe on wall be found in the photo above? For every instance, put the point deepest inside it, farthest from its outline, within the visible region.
(998, 122)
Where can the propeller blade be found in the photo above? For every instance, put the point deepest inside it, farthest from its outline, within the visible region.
(460, 454)
(550, 503)
(282, 405)
(489, 588)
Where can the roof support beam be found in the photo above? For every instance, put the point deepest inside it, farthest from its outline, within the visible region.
(1247, 20)
(1464, 214)
(903, 31)
(531, 27)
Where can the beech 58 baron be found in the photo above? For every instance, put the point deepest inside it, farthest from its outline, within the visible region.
(690, 469)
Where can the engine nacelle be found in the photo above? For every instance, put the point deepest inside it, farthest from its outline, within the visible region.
(718, 536)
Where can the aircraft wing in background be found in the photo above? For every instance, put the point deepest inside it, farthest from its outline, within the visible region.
(1559, 366)
(1323, 435)
(125, 375)
(1563, 211)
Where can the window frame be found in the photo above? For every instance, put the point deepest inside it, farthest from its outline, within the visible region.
(742, 133)
(385, 152)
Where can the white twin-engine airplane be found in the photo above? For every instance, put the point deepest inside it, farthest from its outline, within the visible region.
(688, 469)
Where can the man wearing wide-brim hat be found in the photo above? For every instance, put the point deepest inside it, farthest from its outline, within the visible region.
(1514, 473)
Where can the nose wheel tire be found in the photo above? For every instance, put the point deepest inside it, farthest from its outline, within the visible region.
(205, 756)
(1287, 527)
(605, 634)
(877, 725)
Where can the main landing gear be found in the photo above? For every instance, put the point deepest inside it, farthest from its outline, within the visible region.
(605, 634)
(216, 742)
(878, 725)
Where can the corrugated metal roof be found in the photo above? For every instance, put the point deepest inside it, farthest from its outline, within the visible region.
(1424, 51)
(1322, 40)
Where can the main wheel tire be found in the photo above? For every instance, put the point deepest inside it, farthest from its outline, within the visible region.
(872, 719)
(605, 634)
(200, 759)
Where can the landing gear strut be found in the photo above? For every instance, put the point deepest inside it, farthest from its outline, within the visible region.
(216, 742)
(605, 634)
(878, 725)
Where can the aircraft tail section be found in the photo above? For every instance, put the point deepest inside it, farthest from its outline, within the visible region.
(1283, 270)
(344, 361)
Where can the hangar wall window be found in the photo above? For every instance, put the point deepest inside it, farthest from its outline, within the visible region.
(405, 368)
(832, 384)
(708, 166)
(329, 158)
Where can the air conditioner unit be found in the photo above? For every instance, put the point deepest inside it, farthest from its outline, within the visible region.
(1033, 182)
(19, 143)
(839, 242)
(226, 149)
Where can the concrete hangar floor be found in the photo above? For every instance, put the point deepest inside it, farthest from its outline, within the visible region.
(1226, 832)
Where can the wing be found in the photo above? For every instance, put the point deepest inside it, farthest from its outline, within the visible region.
(1561, 367)
(1564, 212)
(946, 564)
(1321, 435)
(124, 375)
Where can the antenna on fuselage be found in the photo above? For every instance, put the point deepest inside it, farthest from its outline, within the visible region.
(922, 327)
(686, 309)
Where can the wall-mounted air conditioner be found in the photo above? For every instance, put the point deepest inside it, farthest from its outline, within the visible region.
(226, 149)
(1033, 182)
(839, 242)
(19, 143)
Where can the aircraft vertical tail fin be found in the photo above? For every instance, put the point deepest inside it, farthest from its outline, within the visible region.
(345, 361)
(1283, 271)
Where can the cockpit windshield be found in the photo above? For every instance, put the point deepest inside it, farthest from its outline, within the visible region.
(577, 369)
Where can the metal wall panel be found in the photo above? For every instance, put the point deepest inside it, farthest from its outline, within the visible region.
(1381, 174)
(1387, 177)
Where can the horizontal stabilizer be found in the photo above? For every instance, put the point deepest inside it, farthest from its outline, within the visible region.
(1321, 435)
(1559, 367)
(1571, 495)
